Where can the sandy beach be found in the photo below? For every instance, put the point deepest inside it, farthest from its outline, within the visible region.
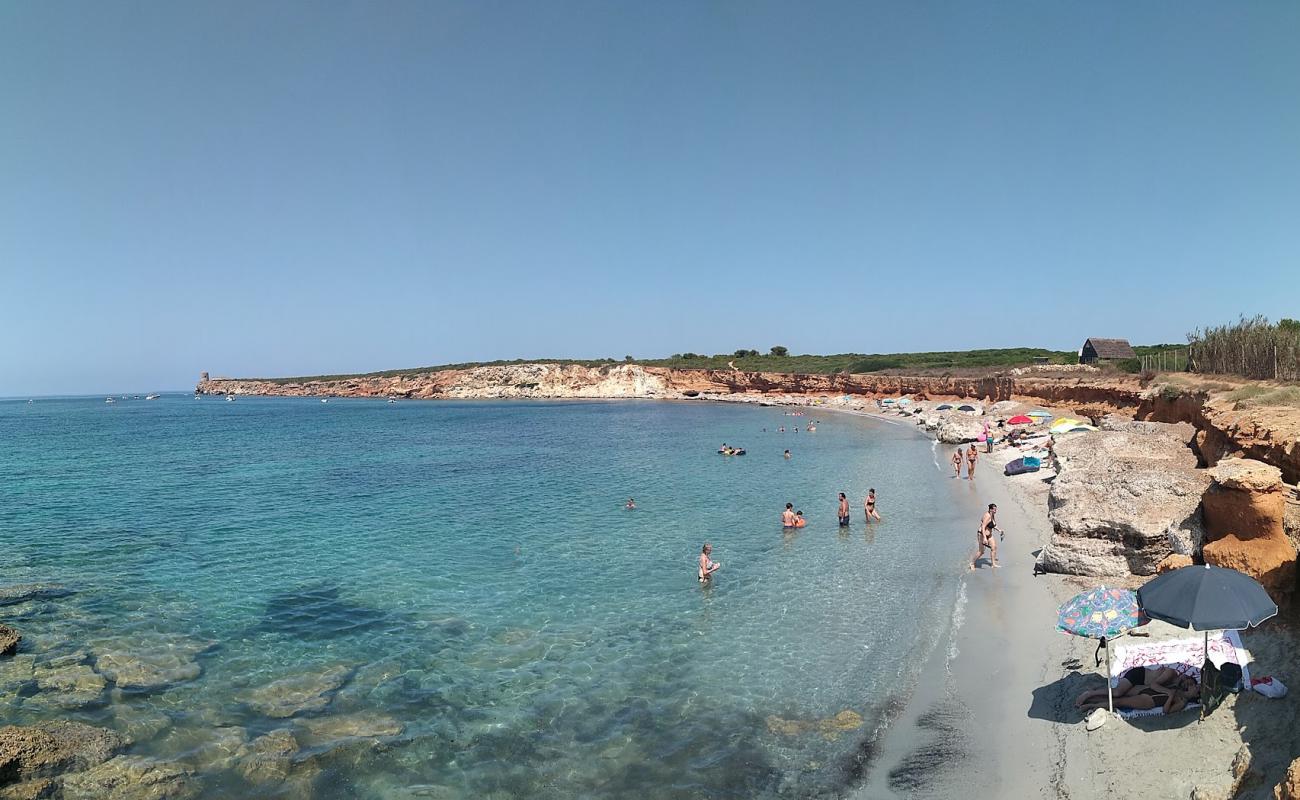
(996, 716)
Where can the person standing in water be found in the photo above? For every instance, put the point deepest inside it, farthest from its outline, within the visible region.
(787, 516)
(972, 455)
(707, 565)
(984, 537)
(956, 462)
(869, 506)
(844, 511)
(631, 504)
(787, 453)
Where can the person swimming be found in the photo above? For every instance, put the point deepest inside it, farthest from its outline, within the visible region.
(707, 566)
(787, 453)
(787, 516)
(631, 504)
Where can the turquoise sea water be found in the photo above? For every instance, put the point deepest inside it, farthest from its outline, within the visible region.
(472, 572)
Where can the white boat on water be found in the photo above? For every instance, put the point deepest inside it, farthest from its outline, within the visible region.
(152, 396)
(324, 400)
(196, 397)
(230, 398)
(108, 400)
(391, 400)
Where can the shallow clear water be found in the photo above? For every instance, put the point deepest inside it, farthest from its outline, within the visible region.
(472, 568)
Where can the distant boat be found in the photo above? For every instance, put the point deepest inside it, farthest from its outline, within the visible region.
(230, 398)
(152, 396)
(108, 399)
(196, 395)
(391, 400)
(324, 400)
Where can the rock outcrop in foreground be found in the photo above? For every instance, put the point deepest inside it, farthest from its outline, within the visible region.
(1126, 499)
(1244, 511)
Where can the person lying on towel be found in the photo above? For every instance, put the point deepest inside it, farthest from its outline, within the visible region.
(1141, 688)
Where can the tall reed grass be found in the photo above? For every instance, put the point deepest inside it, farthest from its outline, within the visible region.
(1250, 347)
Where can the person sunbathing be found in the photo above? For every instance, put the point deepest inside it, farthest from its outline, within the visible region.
(1132, 680)
(1148, 697)
(1172, 698)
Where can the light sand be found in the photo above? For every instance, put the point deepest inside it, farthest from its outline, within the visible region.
(997, 718)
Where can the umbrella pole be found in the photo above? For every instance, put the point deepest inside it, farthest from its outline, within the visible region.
(1110, 690)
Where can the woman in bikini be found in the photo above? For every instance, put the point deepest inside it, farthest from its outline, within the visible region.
(869, 505)
(1136, 678)
(1171, 698)
(972, 455)
(707, 565)
(956, 462)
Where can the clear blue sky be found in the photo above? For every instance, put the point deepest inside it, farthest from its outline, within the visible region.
(268, 188)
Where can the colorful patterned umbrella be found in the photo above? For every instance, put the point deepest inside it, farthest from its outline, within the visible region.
(1101, 614)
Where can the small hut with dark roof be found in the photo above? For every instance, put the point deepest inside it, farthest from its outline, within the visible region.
(1105, 350)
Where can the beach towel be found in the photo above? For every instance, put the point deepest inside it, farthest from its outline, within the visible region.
(1183, 655)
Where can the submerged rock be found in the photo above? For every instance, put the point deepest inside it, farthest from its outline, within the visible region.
(67, 685)
(317, 612)
(268, 758)
(132, 778)
(1124, 500)
(308, 693)
(152, 662)
(831, 728)
(9, 639)
(336, 728)
(22, 592)
(51, 748)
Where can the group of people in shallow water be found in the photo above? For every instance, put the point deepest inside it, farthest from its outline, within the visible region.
(970, 457)
(790, 518)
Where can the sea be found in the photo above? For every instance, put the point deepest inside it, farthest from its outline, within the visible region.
(451, 599)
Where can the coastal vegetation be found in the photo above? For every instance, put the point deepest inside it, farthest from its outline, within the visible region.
(1251, 347)
(777, 359)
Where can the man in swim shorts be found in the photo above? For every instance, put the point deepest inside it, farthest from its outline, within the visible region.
(844, 511)
(787, 516)
(707, 566)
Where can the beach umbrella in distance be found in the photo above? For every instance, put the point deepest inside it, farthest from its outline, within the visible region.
(1040, 415)
(943, 407)
(1206, 598)
(1100, 614)
(1020, 419)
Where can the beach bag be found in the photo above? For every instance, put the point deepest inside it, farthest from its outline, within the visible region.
(1268, 686)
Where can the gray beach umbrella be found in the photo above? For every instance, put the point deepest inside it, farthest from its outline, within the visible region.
(1206, 598)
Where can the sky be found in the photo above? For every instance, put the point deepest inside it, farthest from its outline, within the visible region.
(284, 188)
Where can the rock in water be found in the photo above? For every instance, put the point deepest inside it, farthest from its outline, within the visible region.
(268, 758)
(131, 778)
(1124, 500)
(150, 663)
(308, 693)
(22, 592)
(318, 612)
(51, 748)
(67, 686)
(9, 639)
(329, 730)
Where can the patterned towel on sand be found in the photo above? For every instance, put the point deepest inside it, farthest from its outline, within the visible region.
(1184, 655)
